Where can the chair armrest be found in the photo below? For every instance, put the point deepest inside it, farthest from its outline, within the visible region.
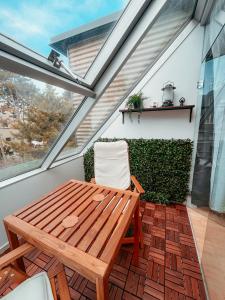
(11, 256)
(137, 185)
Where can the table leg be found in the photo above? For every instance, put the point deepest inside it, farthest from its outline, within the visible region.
(136, 235)
(14, 243)
(102, 289)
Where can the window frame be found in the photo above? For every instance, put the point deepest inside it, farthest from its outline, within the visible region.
(17, 58)
(142, 24)
(134, 22)
(203, 11)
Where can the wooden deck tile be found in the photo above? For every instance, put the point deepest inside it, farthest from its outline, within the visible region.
(168, 265)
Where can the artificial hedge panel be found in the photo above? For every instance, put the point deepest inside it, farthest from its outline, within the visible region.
(161, 166)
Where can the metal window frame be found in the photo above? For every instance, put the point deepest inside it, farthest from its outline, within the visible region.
(181, 36)
(19, 66)
(127, 47)
(203, 10)
(128, 19)
(17, 58)
(135, 21)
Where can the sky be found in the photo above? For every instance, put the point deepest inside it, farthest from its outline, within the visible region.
(34, 22)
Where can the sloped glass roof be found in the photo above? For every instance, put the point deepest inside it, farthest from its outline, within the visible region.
(40, 117)
(171, 20)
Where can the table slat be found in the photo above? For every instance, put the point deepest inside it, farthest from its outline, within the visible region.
(96, 228)
(108, 228)
(83, 211)
(110, 249)
(90, 220)
(67, 233)
(74, 209)
(48, 203)
(57, 210)
(23, 212)
(56, 203)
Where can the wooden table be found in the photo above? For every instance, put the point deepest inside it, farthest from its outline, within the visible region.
(90, 246)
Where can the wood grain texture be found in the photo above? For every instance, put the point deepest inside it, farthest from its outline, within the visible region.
(160, 274)
(137, 185)
(65, 253)
(100, 226)
(88, 245)
(11, 276)
(11, 256)
(139, 190)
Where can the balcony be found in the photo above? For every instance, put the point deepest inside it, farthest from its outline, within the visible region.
(156, 235)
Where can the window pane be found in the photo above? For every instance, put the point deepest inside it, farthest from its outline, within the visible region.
(35, 23)
(208, 188)
(32, 115)
(172, 18)
(82, 44)
(214, 25)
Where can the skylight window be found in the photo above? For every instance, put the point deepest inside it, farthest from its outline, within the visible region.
(35, 23)
(170, 21)
(39, 118)
(33, 114)
(82, 44)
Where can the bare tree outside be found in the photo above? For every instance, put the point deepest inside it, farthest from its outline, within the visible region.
(31, 118)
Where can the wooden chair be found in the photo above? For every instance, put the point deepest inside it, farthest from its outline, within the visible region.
(38, 287)
(111, 166)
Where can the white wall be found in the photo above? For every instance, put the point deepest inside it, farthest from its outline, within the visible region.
(19, 194)
(183, 68)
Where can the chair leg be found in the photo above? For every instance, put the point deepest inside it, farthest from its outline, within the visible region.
(130, 240)
(56, 271)
(52, 281)
(141, 234)
(136, 236)
(64, 292)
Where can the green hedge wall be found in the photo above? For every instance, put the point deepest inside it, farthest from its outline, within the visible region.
(161, 166)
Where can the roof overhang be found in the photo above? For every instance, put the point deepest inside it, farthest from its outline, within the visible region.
(99, 27)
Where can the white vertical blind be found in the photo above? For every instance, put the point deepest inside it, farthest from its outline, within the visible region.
(171, 19)
(144, 56)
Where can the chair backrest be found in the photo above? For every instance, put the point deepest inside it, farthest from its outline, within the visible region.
(111, 163)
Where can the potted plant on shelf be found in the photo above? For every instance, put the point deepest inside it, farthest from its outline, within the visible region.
(135, 101)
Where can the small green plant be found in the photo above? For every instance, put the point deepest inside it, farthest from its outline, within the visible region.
(135, 101)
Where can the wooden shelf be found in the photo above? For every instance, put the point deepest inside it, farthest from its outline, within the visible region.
(187, 107)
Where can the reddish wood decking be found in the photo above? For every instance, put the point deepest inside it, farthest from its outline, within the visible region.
(168, 264)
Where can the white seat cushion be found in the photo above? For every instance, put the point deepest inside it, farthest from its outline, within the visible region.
(111, 162)
(35, 288)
